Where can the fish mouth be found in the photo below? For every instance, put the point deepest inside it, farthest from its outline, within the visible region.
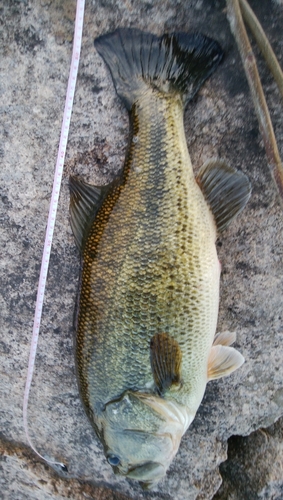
(147, 474)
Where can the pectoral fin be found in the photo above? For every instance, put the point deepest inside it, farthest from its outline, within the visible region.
(226, 190)
(165, 357)
(222, 361)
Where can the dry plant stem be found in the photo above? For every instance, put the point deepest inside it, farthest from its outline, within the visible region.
(265, 125)
(263, 43)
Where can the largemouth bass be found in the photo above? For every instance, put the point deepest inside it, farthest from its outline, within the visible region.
(149, 289)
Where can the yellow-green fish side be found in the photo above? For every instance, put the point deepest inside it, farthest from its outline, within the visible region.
(152, 268)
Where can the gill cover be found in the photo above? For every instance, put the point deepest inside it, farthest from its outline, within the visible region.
(141, 434)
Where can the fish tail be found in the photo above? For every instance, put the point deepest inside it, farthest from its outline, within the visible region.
(172, 63)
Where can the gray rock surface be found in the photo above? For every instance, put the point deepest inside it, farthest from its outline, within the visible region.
(36, 45)
(254, 468)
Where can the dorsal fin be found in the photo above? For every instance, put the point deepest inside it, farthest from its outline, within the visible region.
(226, 190)
(85, 201)
(222, 361)
(165, 357)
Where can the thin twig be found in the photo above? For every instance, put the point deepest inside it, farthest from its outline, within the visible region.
(264, 45)
(249, 62)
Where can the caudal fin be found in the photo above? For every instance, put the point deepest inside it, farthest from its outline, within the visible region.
(172, 63)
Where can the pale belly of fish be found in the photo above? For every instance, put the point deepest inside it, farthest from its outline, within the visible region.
(149, 291)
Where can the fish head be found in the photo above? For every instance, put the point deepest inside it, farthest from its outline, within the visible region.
(141, 434)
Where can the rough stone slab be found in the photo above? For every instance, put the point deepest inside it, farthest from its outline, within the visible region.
(254, 468)
(23, 476)
(36, 45)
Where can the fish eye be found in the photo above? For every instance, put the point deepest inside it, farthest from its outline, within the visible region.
(113, 460)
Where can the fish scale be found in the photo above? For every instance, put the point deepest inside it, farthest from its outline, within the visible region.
(159, 251)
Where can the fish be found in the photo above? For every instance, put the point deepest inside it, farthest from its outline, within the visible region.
(146, 315)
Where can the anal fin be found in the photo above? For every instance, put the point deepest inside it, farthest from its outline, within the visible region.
(226, 190)
(166, 358)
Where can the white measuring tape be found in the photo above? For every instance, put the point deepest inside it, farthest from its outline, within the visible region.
(52, 215)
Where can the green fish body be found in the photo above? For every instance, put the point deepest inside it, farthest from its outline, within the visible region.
(149, 292)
